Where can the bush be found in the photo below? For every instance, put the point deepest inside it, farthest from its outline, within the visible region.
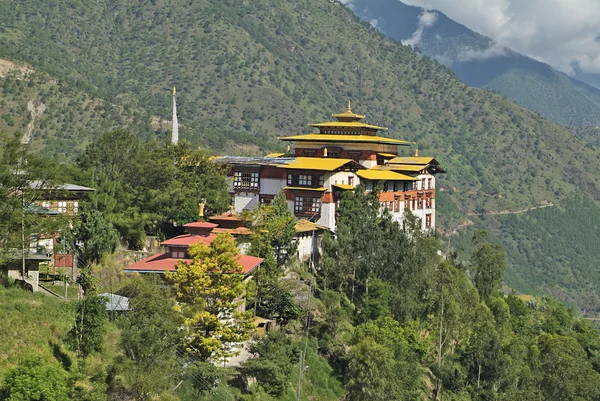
(35, 379)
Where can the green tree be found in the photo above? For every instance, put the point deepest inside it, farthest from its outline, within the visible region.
(92, 237)
(275, 228)
(488, 264)
(208, 292)
(149, 338)
(276, 354)
(87, 334)
(34, 379)
(566, 373)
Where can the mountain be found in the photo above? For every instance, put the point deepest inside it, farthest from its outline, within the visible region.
(248, 72)
(479, 62)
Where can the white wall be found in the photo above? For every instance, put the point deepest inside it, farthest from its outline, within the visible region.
(340, 177)
(271, 186)
(327, 218)
(245, 201)
(307, 245)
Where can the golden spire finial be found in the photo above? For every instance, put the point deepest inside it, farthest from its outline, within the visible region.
(324, 152)
(349, 108)
(287, 149)
(417, 151)
(174, 91)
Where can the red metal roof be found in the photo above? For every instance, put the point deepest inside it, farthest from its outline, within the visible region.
(200, 224)
(162, 262)
(186, 240)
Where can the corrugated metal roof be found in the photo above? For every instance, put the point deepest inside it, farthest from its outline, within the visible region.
(61, 187)
(262, 161)
(383, 175)
(116, 303)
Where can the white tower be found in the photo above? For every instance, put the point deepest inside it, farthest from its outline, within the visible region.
(175, 134)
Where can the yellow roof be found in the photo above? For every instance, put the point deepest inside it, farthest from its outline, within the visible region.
(348, 113)
(345, 138)
(318, 163)
(347, 124)
(402, 167)
(343, 186)
(387, 154)
(383, 175)
(411, 160)
(319, 189)
(305, 226)
(274, 155)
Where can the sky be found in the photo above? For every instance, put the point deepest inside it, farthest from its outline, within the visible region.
(562, 33)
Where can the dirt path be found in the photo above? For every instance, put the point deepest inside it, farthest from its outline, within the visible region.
(502, 212)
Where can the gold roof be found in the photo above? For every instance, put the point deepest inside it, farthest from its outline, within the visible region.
(412, 160)
(383, 175)
(343, 186)
(305, 226)
(401, 167)
(319, 163)
(348, 113)
(345, 138)
(319, 189)
(347, 124)
(387, 154)
(275, 155)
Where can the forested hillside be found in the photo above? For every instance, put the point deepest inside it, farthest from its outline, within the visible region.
(252, 71)
(479, 62)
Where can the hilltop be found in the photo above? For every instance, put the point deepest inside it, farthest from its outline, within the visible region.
(251, 71)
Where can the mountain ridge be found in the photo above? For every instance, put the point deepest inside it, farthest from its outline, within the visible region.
(479, 62)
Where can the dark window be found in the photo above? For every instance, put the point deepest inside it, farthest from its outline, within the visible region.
(427, 221)
(304, 180)
(245, 180)
(307, 205)
(350, 180)
(310, 153)
(265, 199)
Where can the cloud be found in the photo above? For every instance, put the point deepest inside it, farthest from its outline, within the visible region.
(426, 20)
(470, 54)
(348, 3)
(563, 33)
(375, 23)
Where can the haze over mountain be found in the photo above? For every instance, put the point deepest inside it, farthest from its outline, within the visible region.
(481, 62)
(248, 72)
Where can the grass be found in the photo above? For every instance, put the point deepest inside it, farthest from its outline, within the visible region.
(31, 324)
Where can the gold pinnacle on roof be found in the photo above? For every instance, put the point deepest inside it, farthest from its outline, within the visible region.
(417, 151)
(174, 91)
(348, 115)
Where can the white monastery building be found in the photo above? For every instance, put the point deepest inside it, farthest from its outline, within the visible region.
(342, 155)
